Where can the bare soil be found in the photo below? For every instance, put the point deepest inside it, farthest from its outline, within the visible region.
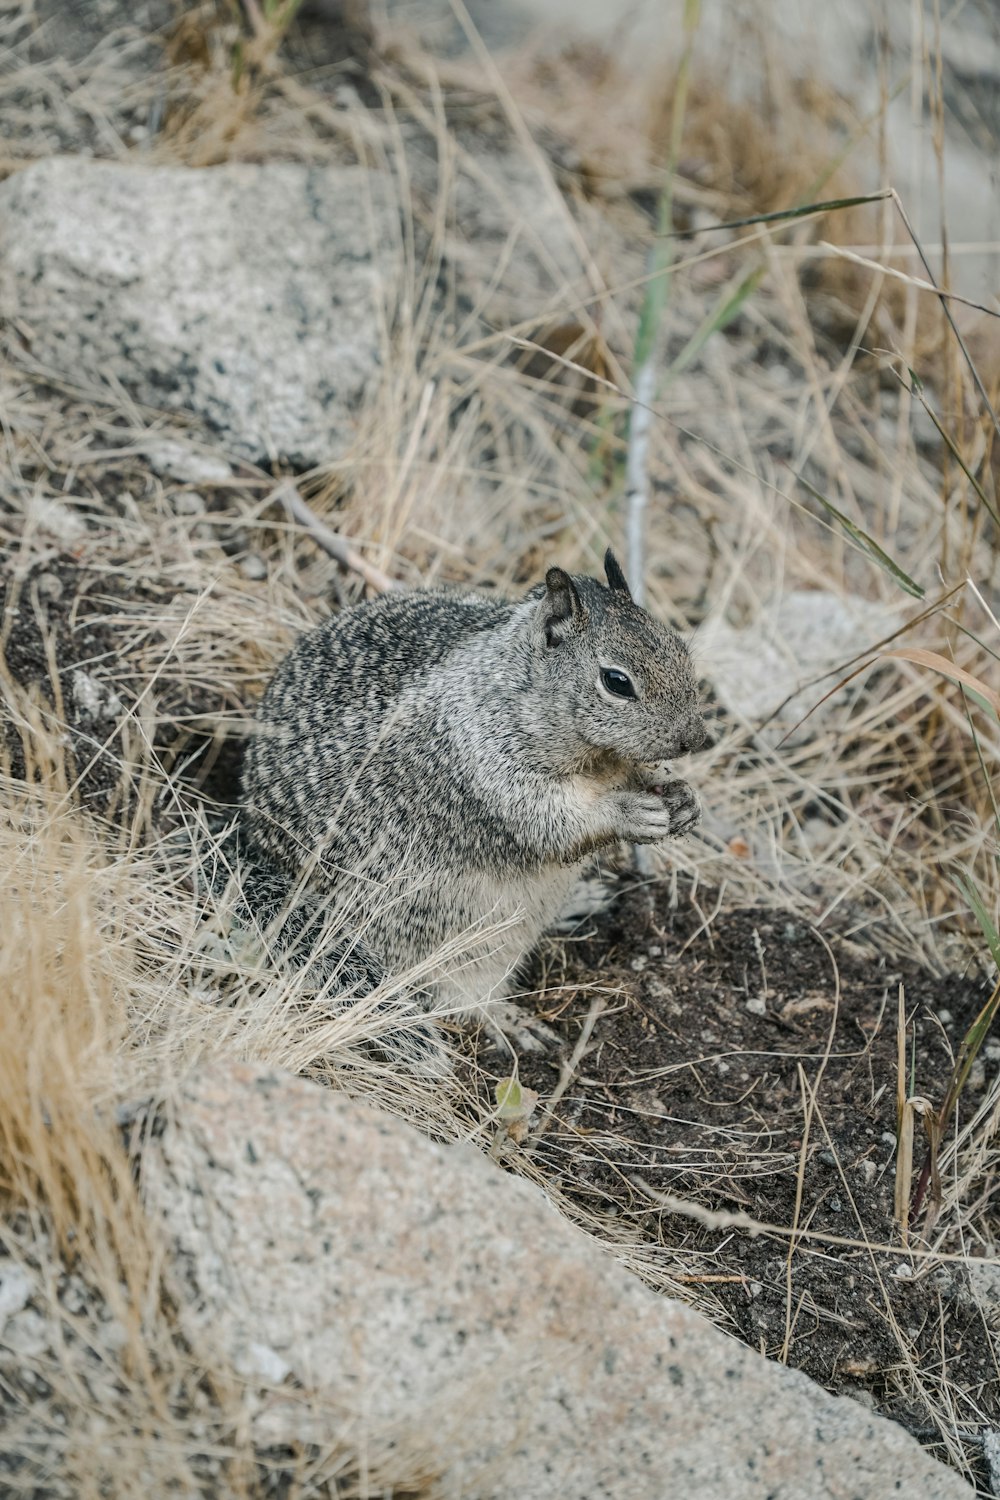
(716, 1028)
(76, 636)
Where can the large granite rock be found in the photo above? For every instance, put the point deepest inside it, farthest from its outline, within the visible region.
(778, 672)
(245, 294)
(412, 1303)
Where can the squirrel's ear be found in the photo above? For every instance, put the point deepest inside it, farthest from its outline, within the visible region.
(562, 606)
(617, 581)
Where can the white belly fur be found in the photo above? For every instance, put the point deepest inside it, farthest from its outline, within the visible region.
(480, 966)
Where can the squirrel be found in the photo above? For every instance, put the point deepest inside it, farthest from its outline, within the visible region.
(432, 770)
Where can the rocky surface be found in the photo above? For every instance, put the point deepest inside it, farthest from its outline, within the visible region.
(406, 1298)
(834, 46)
(781, 666)
(247, 295)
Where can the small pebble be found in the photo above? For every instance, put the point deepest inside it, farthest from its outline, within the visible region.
(49, 585)
(976, 1081)
(15, 1290)
(254, 567)
(262, 1360)
(189, 503)
(59, 519)
(73, 1296)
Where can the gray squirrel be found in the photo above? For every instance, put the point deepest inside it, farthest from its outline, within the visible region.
(431, 771)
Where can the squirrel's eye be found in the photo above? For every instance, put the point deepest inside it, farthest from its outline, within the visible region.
(617, 682)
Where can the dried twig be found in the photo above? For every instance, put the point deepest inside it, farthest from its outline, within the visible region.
(569, 1065)
(336, 546)
(711, 1218)
(637, 475)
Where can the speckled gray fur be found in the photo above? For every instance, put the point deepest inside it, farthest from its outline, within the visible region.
(435, 768)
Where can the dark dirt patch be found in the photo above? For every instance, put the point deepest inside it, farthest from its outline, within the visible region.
(71, 640)
(82, 75)
(692, 1085)
(58, 647)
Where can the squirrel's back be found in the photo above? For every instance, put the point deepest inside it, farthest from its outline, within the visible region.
(323, 747)
(378, 648)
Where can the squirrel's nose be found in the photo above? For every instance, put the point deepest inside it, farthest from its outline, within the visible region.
(690, 736)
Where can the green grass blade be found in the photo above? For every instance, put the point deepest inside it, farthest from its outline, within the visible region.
(779, 215)
(917, 389)
(967, 1054)
(987, 778)
(658, 289)
(725, 310)
(972, 636)
(866, 543)
(975, 1036)
(978, 908)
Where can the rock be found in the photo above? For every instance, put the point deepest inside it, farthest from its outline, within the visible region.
(49, 586)
(246, 294)
(807, 634)
(991, 1455)
(58, 519)
(189, 503)
(176, 460)
(95, 699)
(984, 1289)
(504, 217)
(828, 47)
(25, 1336)
(16, 1287)
(253, 567)
(425, 1308)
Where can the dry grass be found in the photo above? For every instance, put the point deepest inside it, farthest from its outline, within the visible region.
(473, 463)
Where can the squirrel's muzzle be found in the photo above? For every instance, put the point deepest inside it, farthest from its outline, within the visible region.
(690, 736)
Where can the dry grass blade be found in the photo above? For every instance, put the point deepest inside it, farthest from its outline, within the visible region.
(726, 310)
(939, 1121)
(336, 546)
(988, 697)
(956, 333)
(713, 1218)
(914, 1108)
(904, 1127)
(865, 542)
(842, 253)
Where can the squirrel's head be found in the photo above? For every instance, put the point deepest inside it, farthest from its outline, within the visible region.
(619, 683)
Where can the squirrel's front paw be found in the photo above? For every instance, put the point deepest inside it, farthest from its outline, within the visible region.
(682, 803)
(662, 814)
